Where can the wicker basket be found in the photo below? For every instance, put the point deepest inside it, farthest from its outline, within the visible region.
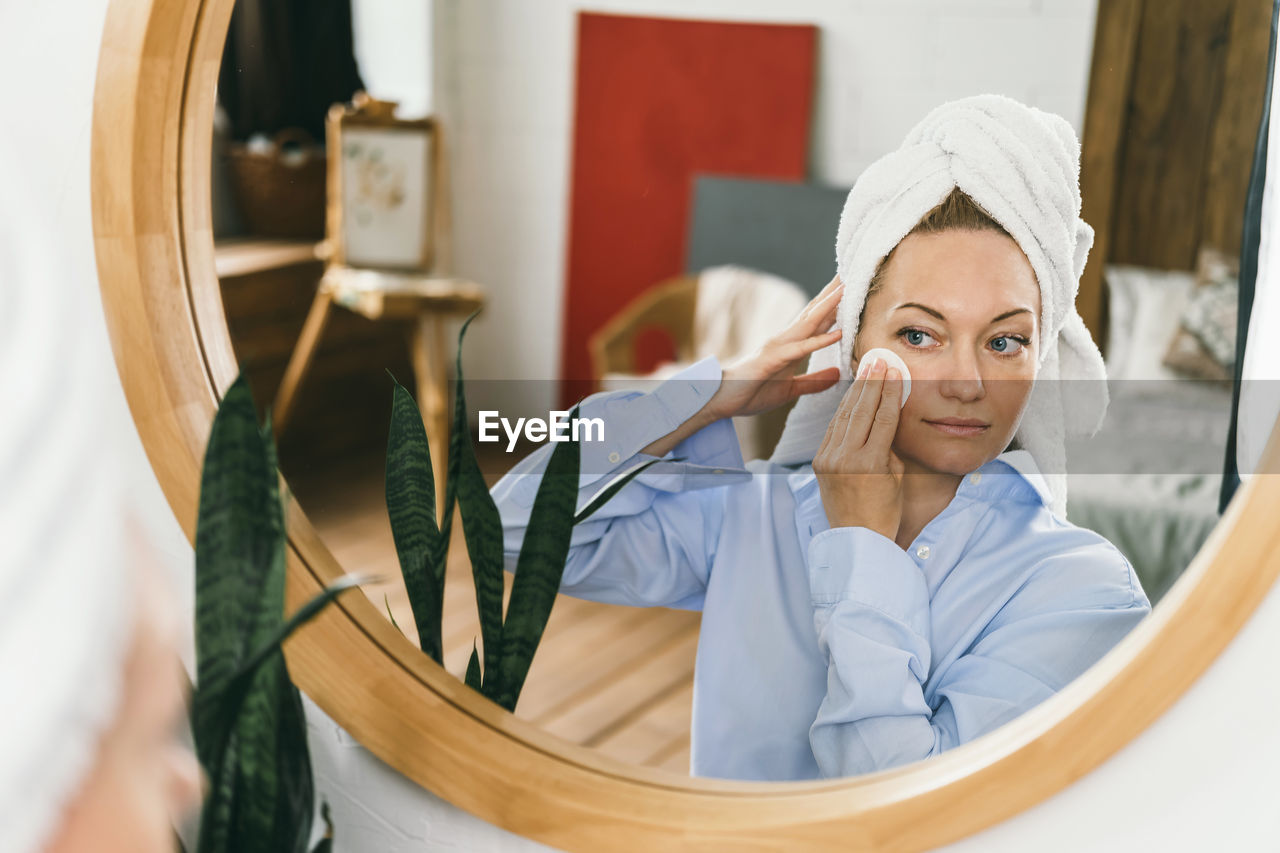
(280, 192)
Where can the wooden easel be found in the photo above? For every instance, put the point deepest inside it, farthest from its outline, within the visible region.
(417, 300)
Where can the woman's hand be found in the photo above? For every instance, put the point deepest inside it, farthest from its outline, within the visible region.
(765, 379)
(859, 475)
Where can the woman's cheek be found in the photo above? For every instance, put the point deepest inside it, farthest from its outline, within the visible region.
(1012, 399)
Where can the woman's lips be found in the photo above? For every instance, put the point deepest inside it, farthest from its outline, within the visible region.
(959, 429)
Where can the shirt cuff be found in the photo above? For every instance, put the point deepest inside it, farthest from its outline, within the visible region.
(712, 456)
(859, 565)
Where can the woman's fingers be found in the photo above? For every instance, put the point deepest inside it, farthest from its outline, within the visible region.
(839, 421)
(778, 356)
(811, 383)
(832, 286)
(817, 315)
(838, 429)
(884, 424)
(866, 405)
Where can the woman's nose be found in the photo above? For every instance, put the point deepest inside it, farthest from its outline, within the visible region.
(961, 379)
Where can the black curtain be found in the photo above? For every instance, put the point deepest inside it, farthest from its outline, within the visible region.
(1249, 266)
(285, 63)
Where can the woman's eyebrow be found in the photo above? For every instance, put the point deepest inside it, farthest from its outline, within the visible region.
(1006, 315)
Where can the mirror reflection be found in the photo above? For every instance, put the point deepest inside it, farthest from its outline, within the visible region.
(705, 222)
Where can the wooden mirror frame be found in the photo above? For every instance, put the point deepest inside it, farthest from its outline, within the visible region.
(152, 130)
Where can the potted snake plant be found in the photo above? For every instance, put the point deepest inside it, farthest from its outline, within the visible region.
(422, 546)
(246, 713)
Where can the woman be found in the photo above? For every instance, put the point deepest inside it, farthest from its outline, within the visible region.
(855, 623)
(140, 781)
(92, 691)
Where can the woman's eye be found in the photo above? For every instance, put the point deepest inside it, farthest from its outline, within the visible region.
(1006, 345)
(915, 337)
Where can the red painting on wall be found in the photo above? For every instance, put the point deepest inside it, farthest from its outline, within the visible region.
(657, 102)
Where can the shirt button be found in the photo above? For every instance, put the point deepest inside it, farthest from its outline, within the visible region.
(923, 552)
(614, 458)
(975, 478)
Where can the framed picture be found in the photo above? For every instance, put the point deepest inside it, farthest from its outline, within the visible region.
(384, 187)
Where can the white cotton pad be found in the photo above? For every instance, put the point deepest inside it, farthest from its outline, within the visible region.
(892, 359)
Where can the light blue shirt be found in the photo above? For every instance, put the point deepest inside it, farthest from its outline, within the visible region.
(824, 651)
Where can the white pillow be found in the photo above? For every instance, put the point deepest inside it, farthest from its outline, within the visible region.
(1146, 305)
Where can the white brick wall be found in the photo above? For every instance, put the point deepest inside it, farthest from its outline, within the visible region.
(374, 808)
(403, 74)
(504, 85)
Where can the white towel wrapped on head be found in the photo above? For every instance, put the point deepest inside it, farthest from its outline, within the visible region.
(1022, 166)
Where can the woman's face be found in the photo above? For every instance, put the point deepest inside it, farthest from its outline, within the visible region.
(962, 309)
(145, 779)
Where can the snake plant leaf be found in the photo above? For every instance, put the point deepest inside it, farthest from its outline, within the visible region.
(231, 692)
(482, 527)
(216, 818)
(539, 568)
(246, 714)
(459, 435)
(251, 755)
(274, 791)
(472, 679)
(239, 545)
(614, 487)
(411, 505)
(249, 693)
(386, 602)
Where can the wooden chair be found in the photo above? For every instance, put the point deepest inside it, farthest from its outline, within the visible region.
(668, 306)
(671, 306)
(406, 284)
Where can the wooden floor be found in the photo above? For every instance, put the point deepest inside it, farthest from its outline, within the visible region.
(617, 679)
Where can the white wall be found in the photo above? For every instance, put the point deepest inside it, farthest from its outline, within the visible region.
(505, 82)
(1204, 777)
(392, 41)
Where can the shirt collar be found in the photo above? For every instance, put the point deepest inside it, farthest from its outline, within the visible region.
(1024, 463)
(1021, 462)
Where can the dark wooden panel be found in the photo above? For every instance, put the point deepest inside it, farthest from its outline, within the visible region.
(1106, 115)
(1177, 89)
(1175, 96)
(1236, 131)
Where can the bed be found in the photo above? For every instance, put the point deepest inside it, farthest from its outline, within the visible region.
(1149, 480)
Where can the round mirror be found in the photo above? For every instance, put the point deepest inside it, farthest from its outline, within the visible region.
(217, 251)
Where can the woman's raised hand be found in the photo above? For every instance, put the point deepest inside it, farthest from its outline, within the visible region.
(859, 475)
(765, 379)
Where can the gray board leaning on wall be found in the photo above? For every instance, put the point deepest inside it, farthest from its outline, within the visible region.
(781, 227)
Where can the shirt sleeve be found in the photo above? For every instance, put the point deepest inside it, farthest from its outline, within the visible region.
(653, 542)
(871, 612)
